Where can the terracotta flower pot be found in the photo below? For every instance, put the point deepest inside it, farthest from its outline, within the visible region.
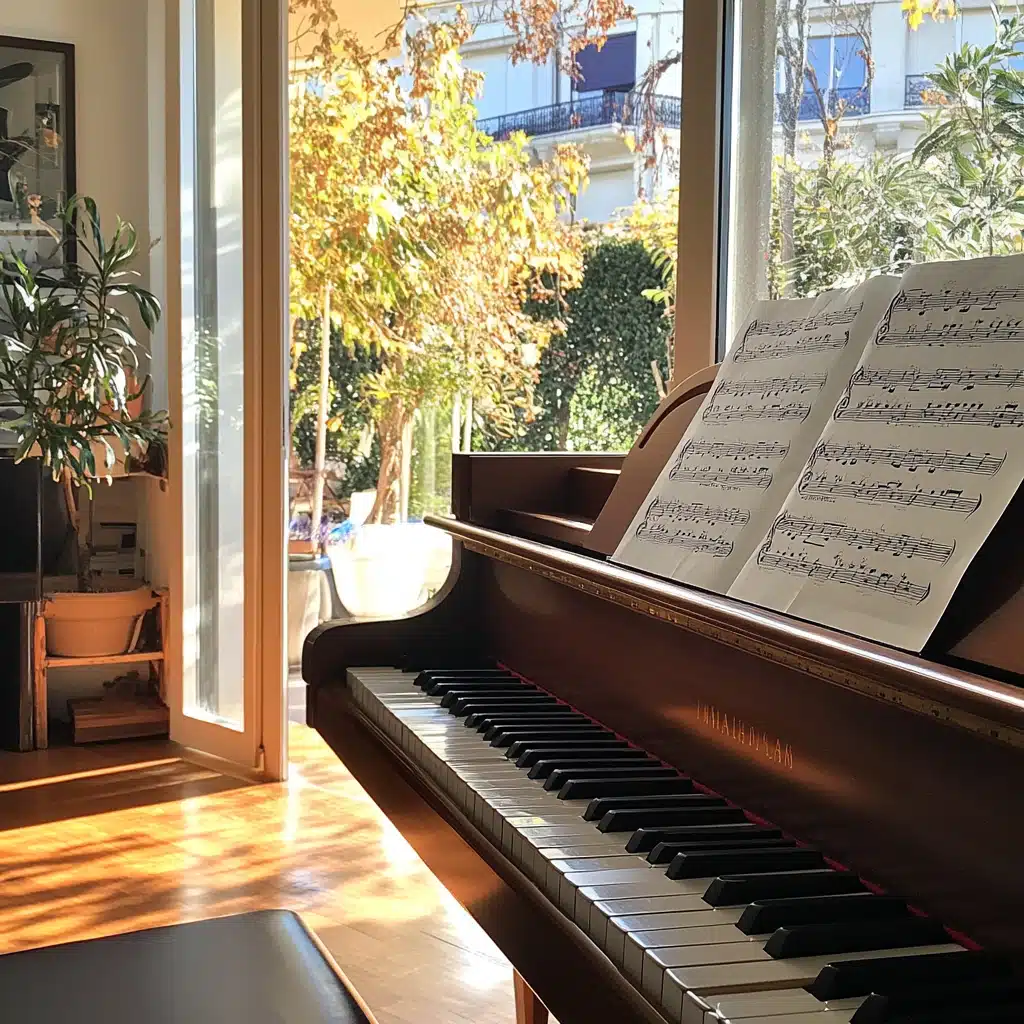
(95, 624)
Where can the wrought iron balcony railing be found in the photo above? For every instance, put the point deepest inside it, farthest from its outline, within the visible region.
(855, 100)
(920, 91)
(583, 112)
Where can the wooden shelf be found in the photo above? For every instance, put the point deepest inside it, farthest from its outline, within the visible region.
(104, 659)
(43, 662)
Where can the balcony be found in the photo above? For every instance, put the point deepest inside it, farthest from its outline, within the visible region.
(856, 100)
(582, 112)
(920, 91)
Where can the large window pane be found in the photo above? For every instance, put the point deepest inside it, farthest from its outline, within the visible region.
(856, 172)
(212, 360)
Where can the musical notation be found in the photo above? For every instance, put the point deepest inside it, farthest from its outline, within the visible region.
(981, 332)
(733, 449)
(920, 300)
(815, 322)
(862, 575)
(817, 533)
(1007, 414)
(914, 379)
(734, 413)
(733, 476)
(772, 348)
(890, 492)
(699, 542)
(912, 459)
(773, 386)
(695, 511)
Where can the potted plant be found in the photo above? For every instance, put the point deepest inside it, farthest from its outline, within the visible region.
(69, 356)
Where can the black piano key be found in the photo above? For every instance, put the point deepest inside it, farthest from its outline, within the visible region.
(767, 915)
(481, 719)
(854, 937)
(439, 688)
(563, 752)
(490, 727)
(724, 862)
(646, 839)
(427, 675)
(506, 737)
(543, 767)
(555, 747)
(467, 705)
(735, 889)
(484, 692)
(602, 805)
(902, 1004)
(849, 978)
(557, 779)
(629, 820)
(638, 786)
(665, 853)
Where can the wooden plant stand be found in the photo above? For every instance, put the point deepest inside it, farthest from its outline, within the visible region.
(118, 714)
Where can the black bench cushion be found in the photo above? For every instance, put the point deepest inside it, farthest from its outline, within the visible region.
(258, 968)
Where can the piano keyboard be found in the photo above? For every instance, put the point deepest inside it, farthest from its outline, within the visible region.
(714, 918)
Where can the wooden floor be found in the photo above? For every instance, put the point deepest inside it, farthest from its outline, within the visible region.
(111, 838)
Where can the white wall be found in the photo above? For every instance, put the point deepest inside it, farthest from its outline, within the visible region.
(119, 80)
(607, 192)
(111, 115)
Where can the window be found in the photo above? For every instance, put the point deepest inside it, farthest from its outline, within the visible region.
(838, 68)
(816, 203)
(610, 69)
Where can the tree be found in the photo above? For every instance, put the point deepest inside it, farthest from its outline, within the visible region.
(973, 148)
(596, 385)
(850, 222)
(429, 235)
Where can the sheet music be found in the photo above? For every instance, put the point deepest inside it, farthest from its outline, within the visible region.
(918, 461)
(715, 500)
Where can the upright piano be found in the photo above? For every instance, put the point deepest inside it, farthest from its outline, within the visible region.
(665, 805)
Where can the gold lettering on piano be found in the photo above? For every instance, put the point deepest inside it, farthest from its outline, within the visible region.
(745, 735)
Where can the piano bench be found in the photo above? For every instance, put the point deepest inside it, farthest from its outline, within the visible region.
(263, 967)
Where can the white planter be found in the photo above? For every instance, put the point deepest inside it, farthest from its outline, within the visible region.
(94, 624)
(388, 570)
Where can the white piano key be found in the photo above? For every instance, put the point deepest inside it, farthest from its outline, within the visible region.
(639, 943)
(787, 1004)
(762, 975)
(602, 911)
(613, 941)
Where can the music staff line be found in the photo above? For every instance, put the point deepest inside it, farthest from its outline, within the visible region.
(914, 378)
(861, 576)
(733, 449)
(816, 532)
(888, 492)
(670, 510)
(744, 413)
(985, 464)
(735, 476)
(962, 299)
(1007, 414)
(772, 349)
(978, 333)
(772, 386)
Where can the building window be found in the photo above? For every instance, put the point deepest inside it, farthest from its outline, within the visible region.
(610, 69)
(841, 74)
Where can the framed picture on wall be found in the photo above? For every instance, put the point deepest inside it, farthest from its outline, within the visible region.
(37, 148)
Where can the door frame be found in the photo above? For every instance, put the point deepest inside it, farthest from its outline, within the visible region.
(263, 746)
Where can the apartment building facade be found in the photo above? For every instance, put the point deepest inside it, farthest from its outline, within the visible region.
(595, 109)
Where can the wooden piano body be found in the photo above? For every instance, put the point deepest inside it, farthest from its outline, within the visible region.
(907, 769)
